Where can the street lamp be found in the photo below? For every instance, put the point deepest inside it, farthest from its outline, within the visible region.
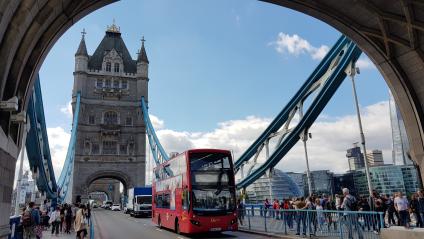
(352, 71)
(304, 137)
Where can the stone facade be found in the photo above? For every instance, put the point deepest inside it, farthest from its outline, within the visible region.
(111, 132)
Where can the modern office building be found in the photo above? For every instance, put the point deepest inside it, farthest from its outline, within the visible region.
(375, 158)
(298, 179)
(355, 158)
(388, 179)
(321, 182)
(400, 143)
(345, 180)
(282, 186)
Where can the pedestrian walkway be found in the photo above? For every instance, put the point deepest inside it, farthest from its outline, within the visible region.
(48, 235)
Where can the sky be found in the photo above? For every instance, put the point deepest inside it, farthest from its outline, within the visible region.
(219, 72)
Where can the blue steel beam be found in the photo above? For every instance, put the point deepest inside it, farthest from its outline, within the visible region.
(68, 167)
(299, 96)
(37, 144)
(348, 56)
(159, 154)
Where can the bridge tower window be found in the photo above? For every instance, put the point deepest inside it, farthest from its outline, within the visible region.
(123, 149)
(109, 147)
(107, 83)
(128, 121)
(116, 84)
(91, 119)
(108, 66)
(99, 83)
(95, 149)
(110, 118)
(116, 67)
(124, 84)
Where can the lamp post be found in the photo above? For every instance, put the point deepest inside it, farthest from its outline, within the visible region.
(352, 71)
(21, 163)
(304, 137)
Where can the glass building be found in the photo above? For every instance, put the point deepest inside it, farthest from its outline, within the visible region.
(388, 179)
(341, 181)
(355, 158)
(321, 182)
(282, 186)
(298, 179)
(400, 143)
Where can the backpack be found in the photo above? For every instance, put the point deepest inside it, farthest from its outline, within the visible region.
(352, 204)
(27, 218)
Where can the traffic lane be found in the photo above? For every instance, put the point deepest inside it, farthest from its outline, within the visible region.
(116, 225)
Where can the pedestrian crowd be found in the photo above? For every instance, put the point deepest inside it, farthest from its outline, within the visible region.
(63, 219)
(396, 209)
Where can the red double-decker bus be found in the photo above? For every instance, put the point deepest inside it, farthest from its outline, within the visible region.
(195, 192)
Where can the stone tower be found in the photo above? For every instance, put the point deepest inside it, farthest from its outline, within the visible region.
(111, 131)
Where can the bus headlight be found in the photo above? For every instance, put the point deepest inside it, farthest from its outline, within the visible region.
(194, 222)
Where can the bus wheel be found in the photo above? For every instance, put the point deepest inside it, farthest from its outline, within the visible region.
(177, 226)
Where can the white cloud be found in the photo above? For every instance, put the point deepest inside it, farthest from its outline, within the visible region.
(156, 122)
(67, 109)
(58, 142)
(327, 149)
(364, 63)
(296, 45)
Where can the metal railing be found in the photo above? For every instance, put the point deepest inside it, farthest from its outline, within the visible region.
(319, 223)
(91, 228)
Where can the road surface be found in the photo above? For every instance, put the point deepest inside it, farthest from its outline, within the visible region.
(117, 225)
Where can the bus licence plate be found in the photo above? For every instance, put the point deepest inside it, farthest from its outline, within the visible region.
(215, 229)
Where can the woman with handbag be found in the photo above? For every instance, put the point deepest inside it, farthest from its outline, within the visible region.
(80, 223)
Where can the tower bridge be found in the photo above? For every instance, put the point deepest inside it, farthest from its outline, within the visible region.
(111, 124)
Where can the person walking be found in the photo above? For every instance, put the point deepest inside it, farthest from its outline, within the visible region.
(350, 204)
(55, 221)
(267, 205)
(391, 211)
(415, 209)
(62, 217)
(300, 215)
(276, 209)
(80, 223)
(401, 205)
(68, 219)
(240, 211)
(421, 204)
(30, 220)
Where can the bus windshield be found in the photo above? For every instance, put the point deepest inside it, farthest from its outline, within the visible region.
(212, 183)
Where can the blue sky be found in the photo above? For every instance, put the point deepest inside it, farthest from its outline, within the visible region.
(215, 65)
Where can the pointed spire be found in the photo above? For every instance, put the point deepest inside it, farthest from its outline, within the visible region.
(142, 55)
(82, 49)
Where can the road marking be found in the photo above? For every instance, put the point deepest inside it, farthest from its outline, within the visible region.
(180, 237)
(157, 229)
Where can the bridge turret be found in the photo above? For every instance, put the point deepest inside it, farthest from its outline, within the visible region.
(81, 56)
(142, 62)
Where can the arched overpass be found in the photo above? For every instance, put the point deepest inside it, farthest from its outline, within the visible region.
(390, 32)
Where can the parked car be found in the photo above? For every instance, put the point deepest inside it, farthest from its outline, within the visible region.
(116, 207)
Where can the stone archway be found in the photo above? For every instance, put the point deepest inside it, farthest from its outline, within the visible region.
(82, 185)
(389, 32)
